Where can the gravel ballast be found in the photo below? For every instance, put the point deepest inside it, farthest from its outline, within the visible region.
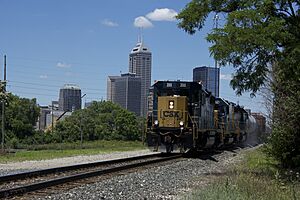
(168, 181)
(25, 166)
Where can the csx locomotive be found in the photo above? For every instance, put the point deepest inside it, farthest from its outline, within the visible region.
(184, 116)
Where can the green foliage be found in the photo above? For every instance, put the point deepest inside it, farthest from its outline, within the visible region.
(101, 121)
(257, 177)
(3, 93)
(285, 140)
(255, 35)
(246, 187)
(259, 37)
(21, 115)
(12, 142)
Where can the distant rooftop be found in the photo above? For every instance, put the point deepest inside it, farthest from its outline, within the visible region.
(128, 74)
(71, 87)
(140, 47)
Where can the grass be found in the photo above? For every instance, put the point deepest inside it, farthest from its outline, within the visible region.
(50, 151)
(257, 177)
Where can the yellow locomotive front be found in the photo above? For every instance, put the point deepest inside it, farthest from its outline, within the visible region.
(172, 112)
(171, 123)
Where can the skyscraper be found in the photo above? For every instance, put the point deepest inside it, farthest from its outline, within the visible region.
(209, 77)
(70, 98)
(128, 92)
(111, 87)
(140, 59)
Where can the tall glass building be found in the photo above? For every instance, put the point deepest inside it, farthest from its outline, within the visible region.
(140, 61)
(69, 98)
(127, 92)
(209, 77)
(111, 87)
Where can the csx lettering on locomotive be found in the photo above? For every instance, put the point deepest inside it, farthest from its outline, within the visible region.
(175, 114)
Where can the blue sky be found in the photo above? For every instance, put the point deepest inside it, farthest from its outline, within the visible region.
(52, 42)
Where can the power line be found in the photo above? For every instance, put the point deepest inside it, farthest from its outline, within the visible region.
(29, 88)
(53, 61)
(55, 86)
(77, 79)
(16, 92)
(81, 70)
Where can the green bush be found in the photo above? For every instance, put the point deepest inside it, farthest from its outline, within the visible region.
(13, 143)
(285, 138)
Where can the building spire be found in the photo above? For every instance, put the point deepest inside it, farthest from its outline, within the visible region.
(140, 35)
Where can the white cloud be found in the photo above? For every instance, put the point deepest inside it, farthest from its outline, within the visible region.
(109, 23)
(43, 76)
(142, 22)
(162, 14)
(63, 65)
(225, 77)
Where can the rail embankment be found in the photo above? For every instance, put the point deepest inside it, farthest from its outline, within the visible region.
(256, 176)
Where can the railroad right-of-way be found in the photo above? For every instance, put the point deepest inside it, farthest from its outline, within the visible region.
(18, 184)
(165, 180)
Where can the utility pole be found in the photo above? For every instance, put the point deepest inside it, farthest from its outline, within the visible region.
(52, 116)
(81, 134)
(216, 19)
(3, 83)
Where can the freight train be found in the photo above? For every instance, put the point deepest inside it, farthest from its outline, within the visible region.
(185, 116)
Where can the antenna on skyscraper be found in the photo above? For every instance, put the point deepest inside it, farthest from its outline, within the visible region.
(140, 36)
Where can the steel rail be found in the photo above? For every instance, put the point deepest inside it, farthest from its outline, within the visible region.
(24, 175)
(58, 181)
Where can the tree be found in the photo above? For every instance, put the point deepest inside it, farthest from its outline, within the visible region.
(21, 115)
(101, 120)
(259, 35)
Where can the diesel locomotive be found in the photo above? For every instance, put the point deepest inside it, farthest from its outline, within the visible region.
(184, 116)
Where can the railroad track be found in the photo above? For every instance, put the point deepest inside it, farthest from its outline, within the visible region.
(18, 184)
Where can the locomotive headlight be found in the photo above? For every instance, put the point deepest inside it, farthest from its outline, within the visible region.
(156, 122)
(171, 104)
(181, 123)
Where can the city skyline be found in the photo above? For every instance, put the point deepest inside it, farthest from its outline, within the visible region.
(52, 43)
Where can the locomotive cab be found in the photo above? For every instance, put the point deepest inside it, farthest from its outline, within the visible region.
(171, 122)
(172, 112)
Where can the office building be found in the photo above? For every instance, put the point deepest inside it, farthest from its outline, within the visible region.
(55, 105)
(111, 87)
(44, 111)
(128, 92)
(140, 59)
(70, 98)
(209, 77)
(54, 116)
(49, 114)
